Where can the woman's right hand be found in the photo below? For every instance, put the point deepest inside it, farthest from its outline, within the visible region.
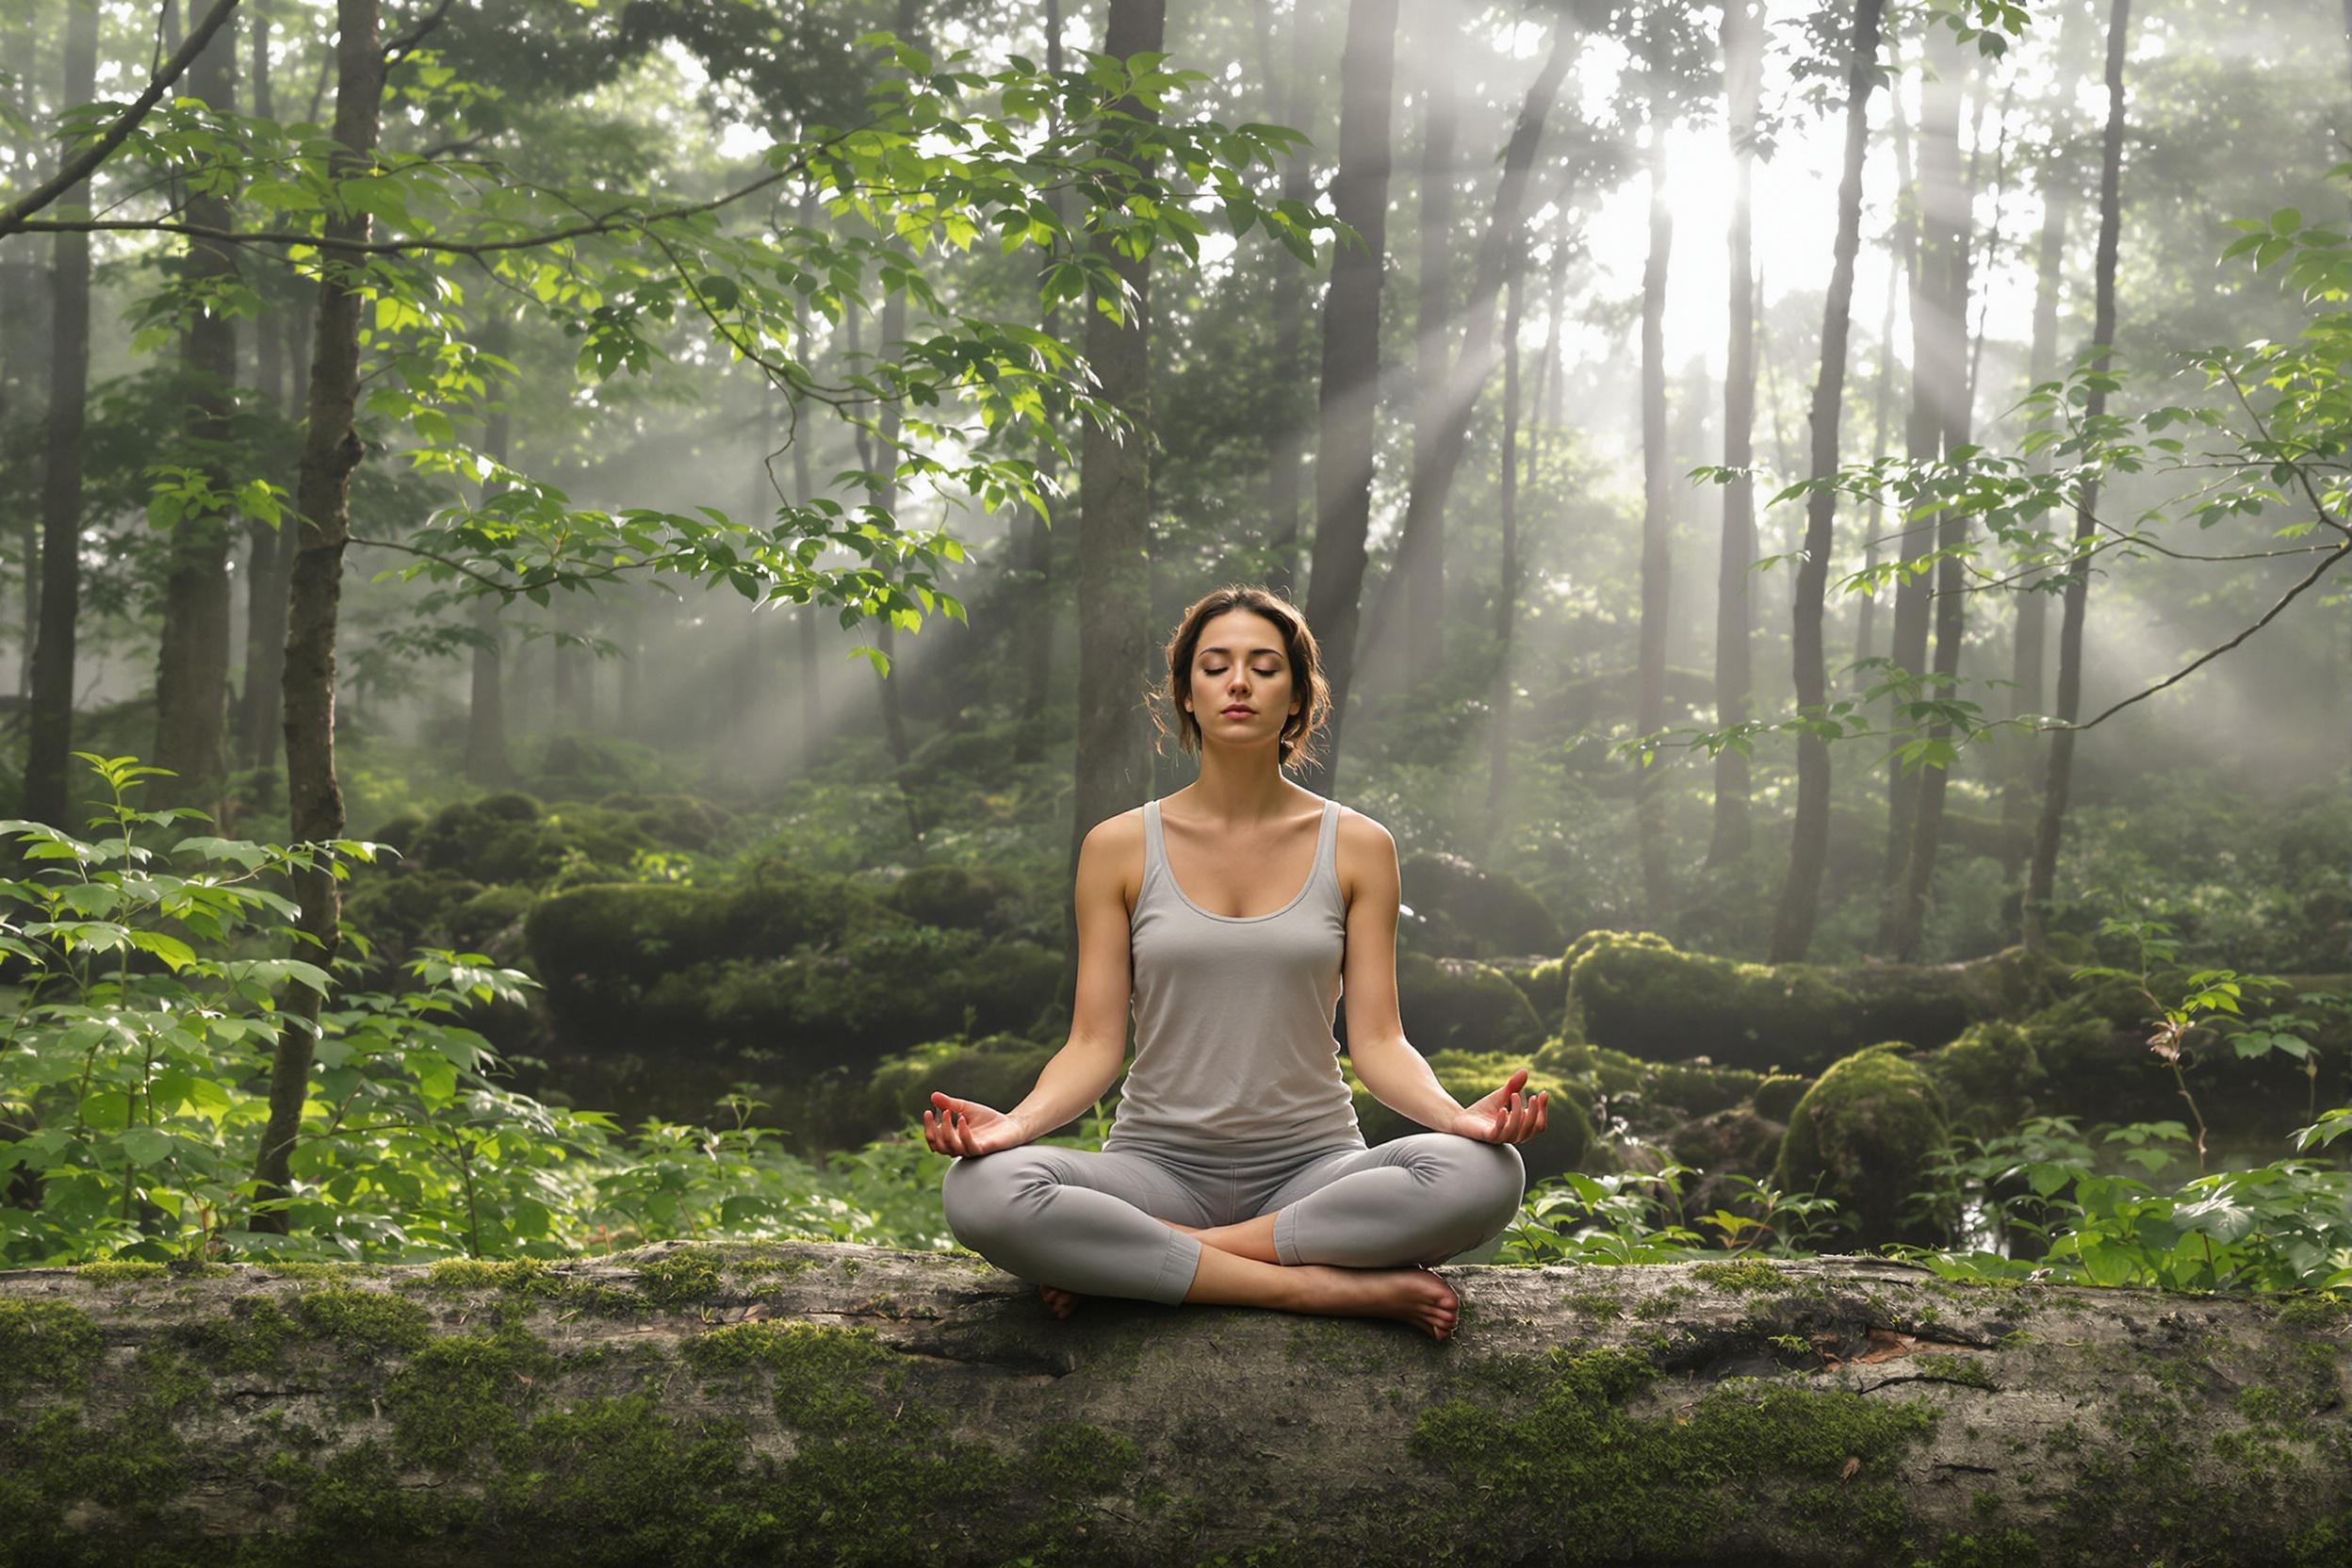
(966, 1128)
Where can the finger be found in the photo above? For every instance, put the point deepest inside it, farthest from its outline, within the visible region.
(931, 1135)
(1517, 1079)
(957, 1135)
(1542, 1110)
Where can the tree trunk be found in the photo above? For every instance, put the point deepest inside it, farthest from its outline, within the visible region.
(1034, 549)
(1743, 79)
(886, 632)
(1507, 579)
(1657, 535)
(49, 738)
(22, 310)
(1345, 436)
(1114, 528)
(1948, 226)
(1424, 579)
(259, 709)
(1425, 507)
(1801, 894)
(2028, 661)
(1286, 443)
(1938, 376)
(2042, 876)
(331, 450)
(802, 1403)
(193, 660)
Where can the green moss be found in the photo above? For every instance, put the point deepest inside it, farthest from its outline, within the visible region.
(46, 1343)
(1743, 1275)
(2011, 1548)
(820, 1373)
(456, 1275)
(457, 1393)
(1776, 1095)
(2325, 1310)
(290, 1271)
(1463, 1004)
(1594, 1483)
(1594, 1303)
(1966, 1370)
(364, 1321)
(681, 1275)
(116, 1271)
(250, 1338)
(1865, 1136)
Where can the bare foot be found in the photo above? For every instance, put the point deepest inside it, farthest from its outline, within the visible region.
(1416, 1296)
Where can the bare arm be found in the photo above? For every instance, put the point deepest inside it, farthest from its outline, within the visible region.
(1079, 1073)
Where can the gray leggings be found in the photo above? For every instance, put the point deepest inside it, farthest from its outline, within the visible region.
(1084, 1220)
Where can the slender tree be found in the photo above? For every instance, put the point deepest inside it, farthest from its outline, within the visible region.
(1507, 507)
(1114, 528)
(269, 552)
(1801, 894)
(21, 309)
(331, 450)
(1423, 576)
(2042, 874)
(1743, 83)
(1351, 361)
(192, 662)
(1656, 532)
(1287, 455)
(49, 733)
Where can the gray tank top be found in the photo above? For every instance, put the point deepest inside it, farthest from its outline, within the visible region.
(1234, 1041)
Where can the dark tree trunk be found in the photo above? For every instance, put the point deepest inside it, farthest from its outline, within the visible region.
(2042, 876)
(331, 450)
(1938, 384)
(1657, 535)
(49, 739)
(192, 662)
(1432, 482)
(1114, 531)
(1744, 77)
(1286, 442)
(1345, 441)
(1801, 895)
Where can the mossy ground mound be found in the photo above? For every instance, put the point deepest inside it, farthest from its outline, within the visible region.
(1470, 1075)
(1460, 910)
(1462, 1005)
(1865, 1136)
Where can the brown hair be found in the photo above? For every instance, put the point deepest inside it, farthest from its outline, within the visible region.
(1170, 717)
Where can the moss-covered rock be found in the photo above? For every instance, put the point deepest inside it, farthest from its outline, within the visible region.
(1463, 910)
(1462, 1005)
(1470, 1075)
(1988, 1077)
(960, 897)
(1865, 1136)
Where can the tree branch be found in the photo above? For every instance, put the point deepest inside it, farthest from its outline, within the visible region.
(77, 168)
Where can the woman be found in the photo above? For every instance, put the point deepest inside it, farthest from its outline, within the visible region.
(1235, 1171)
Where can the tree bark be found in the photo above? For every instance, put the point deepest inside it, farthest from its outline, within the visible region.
(1507, 581)
(1743, 81)
(193, 660)
(1657, 535)
(1114, 770)
(49, 738)
(802, 1403)
(22, 310)
(2042, 875)
(331, 450)
(1345, 439)
(1800, 893)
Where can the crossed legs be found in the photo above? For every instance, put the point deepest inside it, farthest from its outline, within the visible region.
(1349, 1235)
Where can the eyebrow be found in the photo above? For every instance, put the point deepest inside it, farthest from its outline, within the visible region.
(1253, 652)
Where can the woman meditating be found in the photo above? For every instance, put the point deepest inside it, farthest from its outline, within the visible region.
(1227, 914)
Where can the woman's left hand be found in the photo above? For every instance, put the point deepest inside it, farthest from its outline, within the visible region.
(1506, 1116)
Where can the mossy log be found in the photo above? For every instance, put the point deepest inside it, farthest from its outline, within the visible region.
(838, 1404)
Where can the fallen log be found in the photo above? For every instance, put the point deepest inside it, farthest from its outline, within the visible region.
(802, 1403)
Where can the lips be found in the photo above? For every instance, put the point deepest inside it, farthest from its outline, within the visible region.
(1238, 712)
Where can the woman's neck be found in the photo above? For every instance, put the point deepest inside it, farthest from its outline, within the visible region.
(1235, 788)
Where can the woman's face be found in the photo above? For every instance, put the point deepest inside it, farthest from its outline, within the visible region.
(1241, 688)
